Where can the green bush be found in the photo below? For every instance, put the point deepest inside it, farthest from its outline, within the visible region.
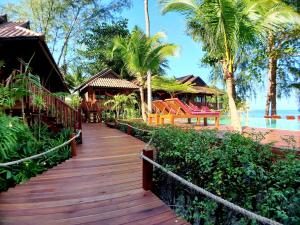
(139, 133)
(234, 167)
(18, 141)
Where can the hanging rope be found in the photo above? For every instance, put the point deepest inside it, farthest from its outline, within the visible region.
(215, 198)
(40, 154)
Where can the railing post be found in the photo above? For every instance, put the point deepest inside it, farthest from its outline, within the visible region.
(129, 129)
(73, 146)
(79, 125)
(147, 168)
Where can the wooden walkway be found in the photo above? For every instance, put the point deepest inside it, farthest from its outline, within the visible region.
(102, 185)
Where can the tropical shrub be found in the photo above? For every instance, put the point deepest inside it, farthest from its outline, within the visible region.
(232, 166)
(140, 133)
(124, 105)
(18, 141)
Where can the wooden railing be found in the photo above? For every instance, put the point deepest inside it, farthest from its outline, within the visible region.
(53, 106)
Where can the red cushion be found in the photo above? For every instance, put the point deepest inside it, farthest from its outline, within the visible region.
(194, 107)
(205, 113)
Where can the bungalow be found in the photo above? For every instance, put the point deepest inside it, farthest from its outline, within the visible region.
(21, 47)
(96, 90)
(198, 95)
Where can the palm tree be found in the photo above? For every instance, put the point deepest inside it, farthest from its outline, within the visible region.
(149, 87)
(142, 54)
(224, 26)
(171, 85)
(122, 103)
(280, 45)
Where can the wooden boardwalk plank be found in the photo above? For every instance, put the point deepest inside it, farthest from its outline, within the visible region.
(102, 185)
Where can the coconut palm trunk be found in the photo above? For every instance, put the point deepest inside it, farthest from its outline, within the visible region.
(149, 87)
(234, 116)
(231, 92)
(272, 67)
(142, 103)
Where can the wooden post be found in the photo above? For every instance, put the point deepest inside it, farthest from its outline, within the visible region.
(147, 168)
(129, 129)
(80, 126)
(73, 146)
(205, 121)
(156, 119)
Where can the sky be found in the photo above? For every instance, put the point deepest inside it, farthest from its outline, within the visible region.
(188, 60)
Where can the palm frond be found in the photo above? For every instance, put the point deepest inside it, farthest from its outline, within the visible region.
(183, 6)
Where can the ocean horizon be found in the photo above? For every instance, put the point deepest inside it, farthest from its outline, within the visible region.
(283, 113)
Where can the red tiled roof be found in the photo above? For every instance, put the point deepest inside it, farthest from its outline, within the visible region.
(191, 79)
(206, 90)
(112, 83)
(17, 29)
(107, 78)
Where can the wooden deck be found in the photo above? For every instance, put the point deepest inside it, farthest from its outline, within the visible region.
(102, 185)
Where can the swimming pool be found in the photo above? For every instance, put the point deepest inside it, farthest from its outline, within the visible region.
(282, 124)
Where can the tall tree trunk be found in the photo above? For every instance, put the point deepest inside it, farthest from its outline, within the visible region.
(273, 72)
(272, 67)
(147, 19)
(149, 88)
(268, 101)
(230, 88)
(234, 116)
(233, 90)
(227, 66)
(143, 103)
(68, 34)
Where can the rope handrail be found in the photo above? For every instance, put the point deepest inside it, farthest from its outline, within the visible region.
(216, 198)
(40, 154)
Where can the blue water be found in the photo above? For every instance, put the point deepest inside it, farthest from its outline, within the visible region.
(256, 119)
(282, 113)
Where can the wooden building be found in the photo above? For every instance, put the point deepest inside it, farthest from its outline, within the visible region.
(99, 88)
(19, 43)
(22, 48)
(199, 94)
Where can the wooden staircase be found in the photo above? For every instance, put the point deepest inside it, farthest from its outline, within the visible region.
(56, 114)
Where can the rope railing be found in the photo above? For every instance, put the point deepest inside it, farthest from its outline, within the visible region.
(215, 198)
(202, 191)
(40, 154)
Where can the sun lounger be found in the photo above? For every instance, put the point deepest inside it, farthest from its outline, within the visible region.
(290, 117)
(181, 110)
(160, 108)
(193, 107)
(275, 117)
(201, 109)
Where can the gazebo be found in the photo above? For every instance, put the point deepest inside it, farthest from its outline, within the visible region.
(99, 88)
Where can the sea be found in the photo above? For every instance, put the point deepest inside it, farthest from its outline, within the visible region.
(256, 119)
(282, 113)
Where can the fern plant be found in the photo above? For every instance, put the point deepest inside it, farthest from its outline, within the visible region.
(11, 131)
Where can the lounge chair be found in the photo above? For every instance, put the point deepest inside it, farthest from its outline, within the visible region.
(160, 108)
(181, 110)
(201, 109)
(290, 117)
